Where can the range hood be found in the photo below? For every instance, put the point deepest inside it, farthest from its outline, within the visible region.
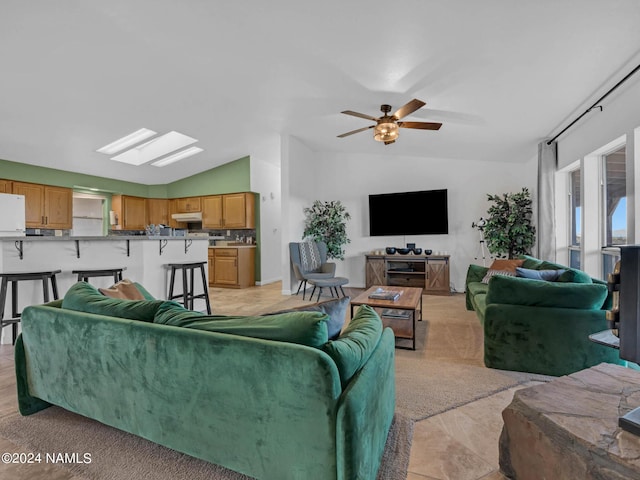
(192, 217)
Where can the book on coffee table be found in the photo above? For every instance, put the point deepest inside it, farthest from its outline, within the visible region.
(381, 294)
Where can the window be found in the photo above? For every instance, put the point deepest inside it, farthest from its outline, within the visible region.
(576, 225)
(615, 198)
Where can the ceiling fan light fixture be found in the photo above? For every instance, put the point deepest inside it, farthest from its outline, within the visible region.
(386, 132)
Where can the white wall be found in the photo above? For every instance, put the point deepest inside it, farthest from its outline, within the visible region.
(265, 180)
(350, 178)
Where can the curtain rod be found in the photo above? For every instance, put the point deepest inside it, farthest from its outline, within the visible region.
(595, 105)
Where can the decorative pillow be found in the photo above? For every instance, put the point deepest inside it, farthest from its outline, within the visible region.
(84, 297)
(491, 273)
(304, 328)
(570, 275)
(309, 256)
(354, 347)
(508, 265)
(124, 289)
(335, 308)
(548, 275)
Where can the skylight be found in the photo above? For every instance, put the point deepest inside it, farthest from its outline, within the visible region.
(165, 149)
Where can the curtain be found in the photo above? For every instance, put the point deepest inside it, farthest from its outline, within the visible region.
(547, 165)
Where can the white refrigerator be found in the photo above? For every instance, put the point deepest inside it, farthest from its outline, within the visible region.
(12, 215)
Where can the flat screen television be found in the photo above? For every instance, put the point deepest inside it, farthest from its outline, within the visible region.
(409, 213)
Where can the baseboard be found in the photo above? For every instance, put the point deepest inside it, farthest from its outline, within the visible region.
(268, 281)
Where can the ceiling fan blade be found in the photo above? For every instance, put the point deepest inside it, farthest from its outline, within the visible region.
(420, 125)
(356, 131)
(361, 115)
(409, 108)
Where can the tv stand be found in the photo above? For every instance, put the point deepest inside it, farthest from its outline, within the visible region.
(429, 272)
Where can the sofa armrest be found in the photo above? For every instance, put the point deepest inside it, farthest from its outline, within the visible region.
(540, 293)
(475, 273)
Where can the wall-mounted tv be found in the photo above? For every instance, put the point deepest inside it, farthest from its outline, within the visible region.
(409, 213)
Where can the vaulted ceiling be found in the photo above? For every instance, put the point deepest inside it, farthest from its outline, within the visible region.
(499, 74)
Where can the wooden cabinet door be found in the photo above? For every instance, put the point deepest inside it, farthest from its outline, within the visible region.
(188, 205)
(212, 211)
(6, 186)
(58, 207)
(134, 213)
(157, 211)
(437, 280)
(375, 271)
(238, 210)
(34, 202)
(211, 265)
(225, 269)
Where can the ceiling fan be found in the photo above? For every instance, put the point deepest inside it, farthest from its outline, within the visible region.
(386, 127)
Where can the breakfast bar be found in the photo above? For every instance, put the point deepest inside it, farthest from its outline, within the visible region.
(143, 259)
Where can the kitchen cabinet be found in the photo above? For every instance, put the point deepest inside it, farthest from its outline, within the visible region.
(46, 206)
(6, 186)
(157, 211)
(131, 212)
(188, 205)
(233, 210)
(232, 267)
(212, 211)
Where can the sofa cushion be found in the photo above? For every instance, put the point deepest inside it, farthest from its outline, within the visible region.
(335, 308)
(84, 297)
(525, 291)
(548, 275)
(570, 275)
(358, 340)
(530, 262)
(476, 288)
(304, 328)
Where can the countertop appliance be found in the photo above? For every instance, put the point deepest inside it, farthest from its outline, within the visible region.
(12, 215)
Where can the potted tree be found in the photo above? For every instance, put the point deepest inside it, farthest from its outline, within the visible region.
(508, 231)
(327, 222)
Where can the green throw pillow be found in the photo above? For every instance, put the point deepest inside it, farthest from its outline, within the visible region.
(84, 297)
(356, 344)
(571, 275)
(304, 328)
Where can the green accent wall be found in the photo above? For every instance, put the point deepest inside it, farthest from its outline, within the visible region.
(231, 177)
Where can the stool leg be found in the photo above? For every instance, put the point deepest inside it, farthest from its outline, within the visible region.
(185, 296)
(3, 300)
(45, 290)
(14, 310)
(54, 286)
(192, 287)
(206, 289)
(171, 281)
(115, 277)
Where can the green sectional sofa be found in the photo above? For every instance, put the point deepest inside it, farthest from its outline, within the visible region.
(540, 326)
(270, 396)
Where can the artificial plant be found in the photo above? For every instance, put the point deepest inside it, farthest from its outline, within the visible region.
(327, 222)
(508, 230)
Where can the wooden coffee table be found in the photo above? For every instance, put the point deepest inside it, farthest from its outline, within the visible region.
(400, 315)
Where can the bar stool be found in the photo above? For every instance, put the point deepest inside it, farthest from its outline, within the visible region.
(188, 294)
(84, 275)
(14, 278)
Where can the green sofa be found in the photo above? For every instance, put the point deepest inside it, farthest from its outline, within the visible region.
(272, 408)
(540, 326)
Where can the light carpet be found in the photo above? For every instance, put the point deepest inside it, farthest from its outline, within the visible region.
(444, 372)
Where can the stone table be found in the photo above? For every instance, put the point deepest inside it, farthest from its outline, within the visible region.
(568, 428)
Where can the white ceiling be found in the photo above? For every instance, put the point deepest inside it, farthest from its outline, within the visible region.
(500, 74)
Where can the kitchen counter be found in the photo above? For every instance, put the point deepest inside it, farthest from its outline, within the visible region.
(144, 258)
